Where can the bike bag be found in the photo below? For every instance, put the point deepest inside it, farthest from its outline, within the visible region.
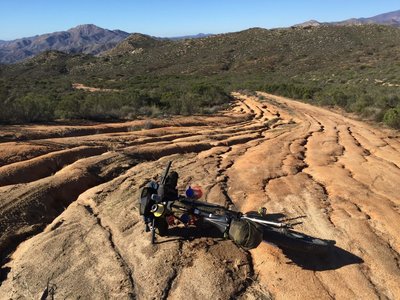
(245, 233)
(145, 201)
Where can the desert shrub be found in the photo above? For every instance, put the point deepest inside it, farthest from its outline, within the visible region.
(33, 108)
(208, 95)
(340, 99)
(188, 104)
(378, 117)
(3, 92)
(392, 117)
(68, 108)
(388, 101)
(292, 90)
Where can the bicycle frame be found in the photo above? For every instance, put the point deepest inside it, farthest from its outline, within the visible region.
(221, 220)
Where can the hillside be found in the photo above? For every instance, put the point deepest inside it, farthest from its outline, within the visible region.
(194, 36)
(88, 39)
(261, 50)
(135, 44)
(354, 67)
(91, 39)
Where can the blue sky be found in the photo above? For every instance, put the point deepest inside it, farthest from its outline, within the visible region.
(23, 18)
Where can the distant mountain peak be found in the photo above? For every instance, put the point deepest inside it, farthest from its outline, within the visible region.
(310, 23)
(85, 26)
(86, 38)
(91, 29)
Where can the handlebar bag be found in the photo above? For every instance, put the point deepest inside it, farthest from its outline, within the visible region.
(245, 233)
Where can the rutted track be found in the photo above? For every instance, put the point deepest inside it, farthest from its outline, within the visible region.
(293, 158)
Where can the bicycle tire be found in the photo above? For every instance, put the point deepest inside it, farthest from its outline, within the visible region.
(161, 226)
(294, 240)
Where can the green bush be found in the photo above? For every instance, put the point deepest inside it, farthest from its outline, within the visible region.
(68, 107)
(389, 101)
(33, 108)
(392, 117)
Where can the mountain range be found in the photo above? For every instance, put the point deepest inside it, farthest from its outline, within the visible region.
(91, 39)
(390, 19)
(88, 39)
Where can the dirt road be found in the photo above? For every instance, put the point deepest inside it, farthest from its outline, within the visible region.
(70, 227)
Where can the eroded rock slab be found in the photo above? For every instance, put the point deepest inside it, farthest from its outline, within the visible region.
(292, 158)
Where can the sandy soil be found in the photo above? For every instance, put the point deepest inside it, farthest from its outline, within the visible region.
(70, 226)
(80, 86)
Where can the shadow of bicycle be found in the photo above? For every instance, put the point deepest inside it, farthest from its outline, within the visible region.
(325, 258)
(334, 259)
(181, 233)
(309, 257)
(329, 257)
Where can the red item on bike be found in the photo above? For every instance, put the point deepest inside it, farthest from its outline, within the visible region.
(171, 220)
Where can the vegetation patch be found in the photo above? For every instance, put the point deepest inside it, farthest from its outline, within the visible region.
(353, 67)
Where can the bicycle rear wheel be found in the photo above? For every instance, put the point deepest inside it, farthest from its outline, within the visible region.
(290, 239)
(298, 241)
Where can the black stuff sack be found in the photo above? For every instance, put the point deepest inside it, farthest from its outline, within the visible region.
(145, 201)
(245, 233)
